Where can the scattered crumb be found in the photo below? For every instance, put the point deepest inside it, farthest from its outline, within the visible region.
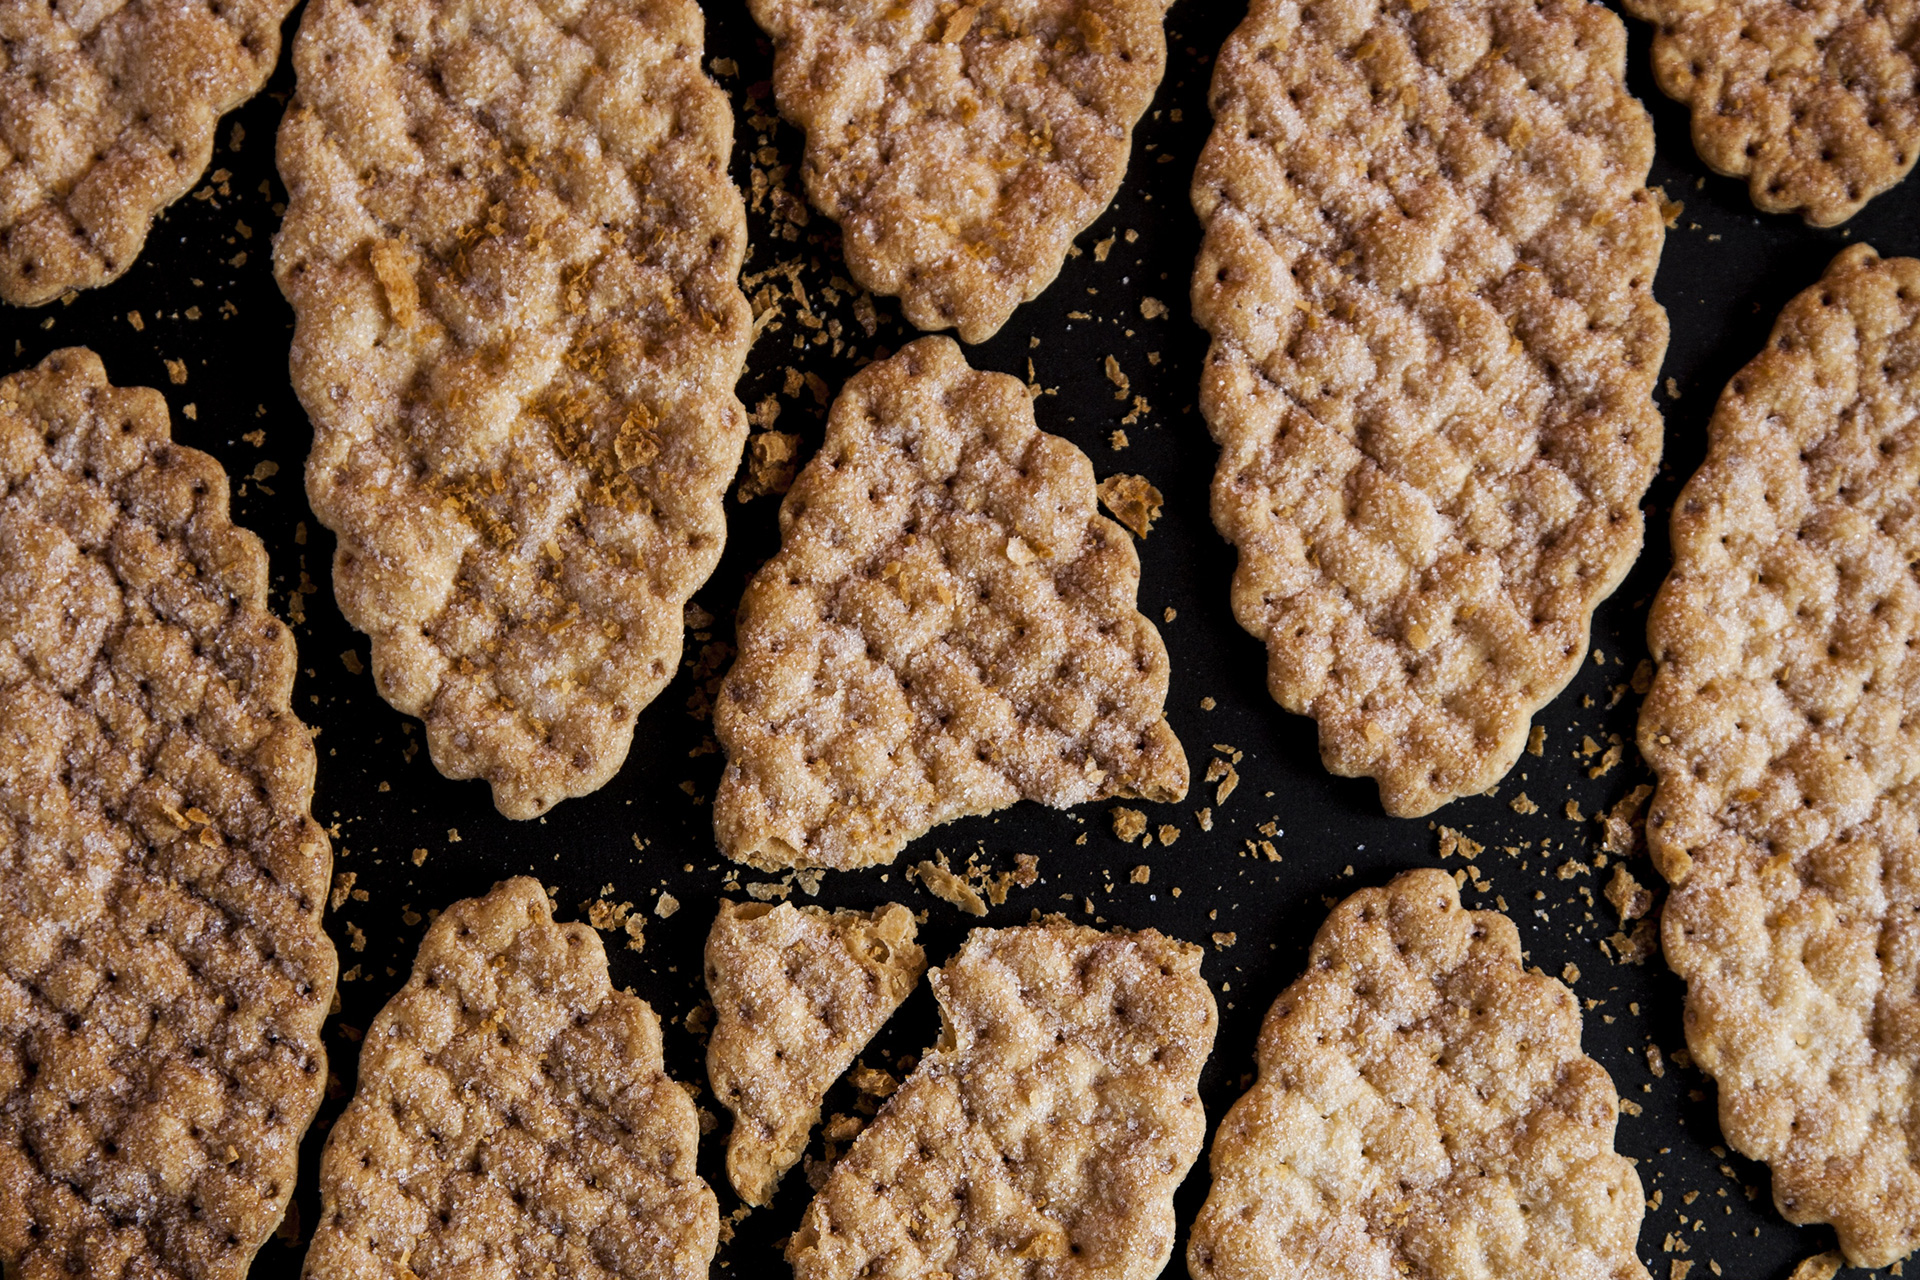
(1537, 740)
(1822, 1266)
(667, 905)
(940, 881)
(1637, 947)
(1129, 824)
(872, 1081)
(1152, 308)
(1610, 758)
(608, 916)
(1133, 502)
(1523, 806)
(1224, 940)
(1168, 833)
(1629, 897)
(1452, 842)
(772, 460)
(1118, 440)
(1624, 823)
(1142, 873)
(1220, 771)
(1026, 871)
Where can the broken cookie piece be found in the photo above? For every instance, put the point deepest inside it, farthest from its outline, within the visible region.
(163, 970)
(512, 251)
(797, 994)
(949, 627)
(1423, 1110)
(513, 1117)
(1784, 727)
(961, 148)
(1047, 1129)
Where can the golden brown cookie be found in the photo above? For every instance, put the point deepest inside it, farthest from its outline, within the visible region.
(797, 993)
(511, 247)
(1427, 272)
(1423, 1110)
(513, 1118)
(1816, 103)
(1045, 1132)
(949, 627)
(1784, 726)
(962, 147)
(163, 972)
(107, 115)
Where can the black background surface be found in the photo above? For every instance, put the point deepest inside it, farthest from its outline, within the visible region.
(204, 292)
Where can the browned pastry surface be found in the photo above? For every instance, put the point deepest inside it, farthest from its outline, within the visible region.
(1816, 103)
(163, 972)
(962, 147)
(797, 993)
(1046, 1131)
(1427, 272)
(949, 627)
(107, 113)
(1784, 726)
(511, 247)
(513, 1118)
(1423, 1110)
